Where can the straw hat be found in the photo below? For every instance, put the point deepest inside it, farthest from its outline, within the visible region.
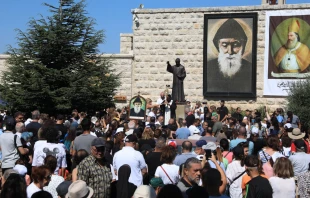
(79, 189)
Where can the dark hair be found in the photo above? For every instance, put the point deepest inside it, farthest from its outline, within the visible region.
(80, 155)
(238, 152)
(39, 173)
(168, 154)
(60, 117)
(211, 178)
(71, 134)
(187, 145)
(224, 144)
(18, 113)
(10, 123)
(50, 133)
(41, 194)
(157, 133)
(286, 141)
(169, 191)
(50, 162)
(14, 186)
(86, 124)
(273, 142)
(253, 161)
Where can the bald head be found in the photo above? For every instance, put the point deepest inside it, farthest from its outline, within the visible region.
(242, 131)
(19, 127)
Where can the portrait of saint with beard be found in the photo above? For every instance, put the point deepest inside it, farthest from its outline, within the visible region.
(137, 108)
(293, 56)
(230, 73)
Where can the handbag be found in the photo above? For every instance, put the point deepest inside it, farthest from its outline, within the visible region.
(228, 185)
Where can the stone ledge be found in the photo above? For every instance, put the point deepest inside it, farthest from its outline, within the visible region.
(4, 56)
(222, 9)
(126, 34)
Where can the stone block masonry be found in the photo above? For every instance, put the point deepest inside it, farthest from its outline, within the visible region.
(166, 34)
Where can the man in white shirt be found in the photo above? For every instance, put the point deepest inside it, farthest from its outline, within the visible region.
(161, 99)
(128, 155)
(193, 128)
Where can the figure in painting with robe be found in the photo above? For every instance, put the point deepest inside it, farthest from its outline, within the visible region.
(294, 56)
(179, 75)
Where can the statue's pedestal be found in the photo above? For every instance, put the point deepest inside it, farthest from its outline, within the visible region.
(182, 110)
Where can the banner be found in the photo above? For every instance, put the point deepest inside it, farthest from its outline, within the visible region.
(287, 54)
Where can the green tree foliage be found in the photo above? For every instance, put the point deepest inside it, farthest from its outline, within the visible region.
(299, 100)
(56, 66)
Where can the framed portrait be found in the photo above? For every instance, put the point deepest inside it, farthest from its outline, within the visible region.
(287, 41)
(229, 55)
(137, 106)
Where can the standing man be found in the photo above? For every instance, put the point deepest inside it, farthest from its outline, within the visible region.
(242, 133)
(161, 98)
(94, 170)
(10, 145)
(258, 186)
(128, 155)
(191, 176)
(183, 132)
(187, 147)
(237, 115)
(179, 75)
(34, 125)
(223, 111)
(193, 128)
(84, 141)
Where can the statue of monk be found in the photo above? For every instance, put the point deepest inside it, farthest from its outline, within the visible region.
(179, 75)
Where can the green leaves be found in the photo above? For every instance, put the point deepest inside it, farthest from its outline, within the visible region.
(299, 100)
(56, 66)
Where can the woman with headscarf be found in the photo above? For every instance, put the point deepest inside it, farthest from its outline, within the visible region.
(122, 188)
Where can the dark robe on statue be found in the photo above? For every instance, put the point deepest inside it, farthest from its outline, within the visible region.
(179, 74)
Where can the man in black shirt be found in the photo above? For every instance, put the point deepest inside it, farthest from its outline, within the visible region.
(223, 111)
(258, 186)
(34, 125)
(153, 159)
(60, 126)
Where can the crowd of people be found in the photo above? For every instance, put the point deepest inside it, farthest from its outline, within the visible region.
(211, 153)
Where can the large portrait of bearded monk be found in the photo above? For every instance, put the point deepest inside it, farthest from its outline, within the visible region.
(289, 41)
(229, 61)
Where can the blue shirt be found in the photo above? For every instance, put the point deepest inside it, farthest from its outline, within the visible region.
(235, 142)
(180, 159)
(280, 118)
(183, 133)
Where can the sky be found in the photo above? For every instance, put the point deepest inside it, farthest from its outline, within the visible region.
(113, 16)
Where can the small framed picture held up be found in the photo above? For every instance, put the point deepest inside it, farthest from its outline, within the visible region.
(137, 107)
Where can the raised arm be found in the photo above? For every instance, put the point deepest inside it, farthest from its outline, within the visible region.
(169, 67)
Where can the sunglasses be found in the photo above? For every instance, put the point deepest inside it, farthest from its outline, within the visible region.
(48, 177)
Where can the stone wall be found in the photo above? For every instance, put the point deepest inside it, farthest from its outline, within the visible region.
(166, 34)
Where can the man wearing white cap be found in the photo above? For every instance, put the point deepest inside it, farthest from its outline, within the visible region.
(128, 155)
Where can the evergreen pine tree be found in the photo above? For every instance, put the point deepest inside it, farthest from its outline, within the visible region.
(56, 67)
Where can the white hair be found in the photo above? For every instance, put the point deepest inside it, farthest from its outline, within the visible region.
(229, 64)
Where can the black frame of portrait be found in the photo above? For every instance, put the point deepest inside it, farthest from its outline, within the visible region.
(221, 94)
